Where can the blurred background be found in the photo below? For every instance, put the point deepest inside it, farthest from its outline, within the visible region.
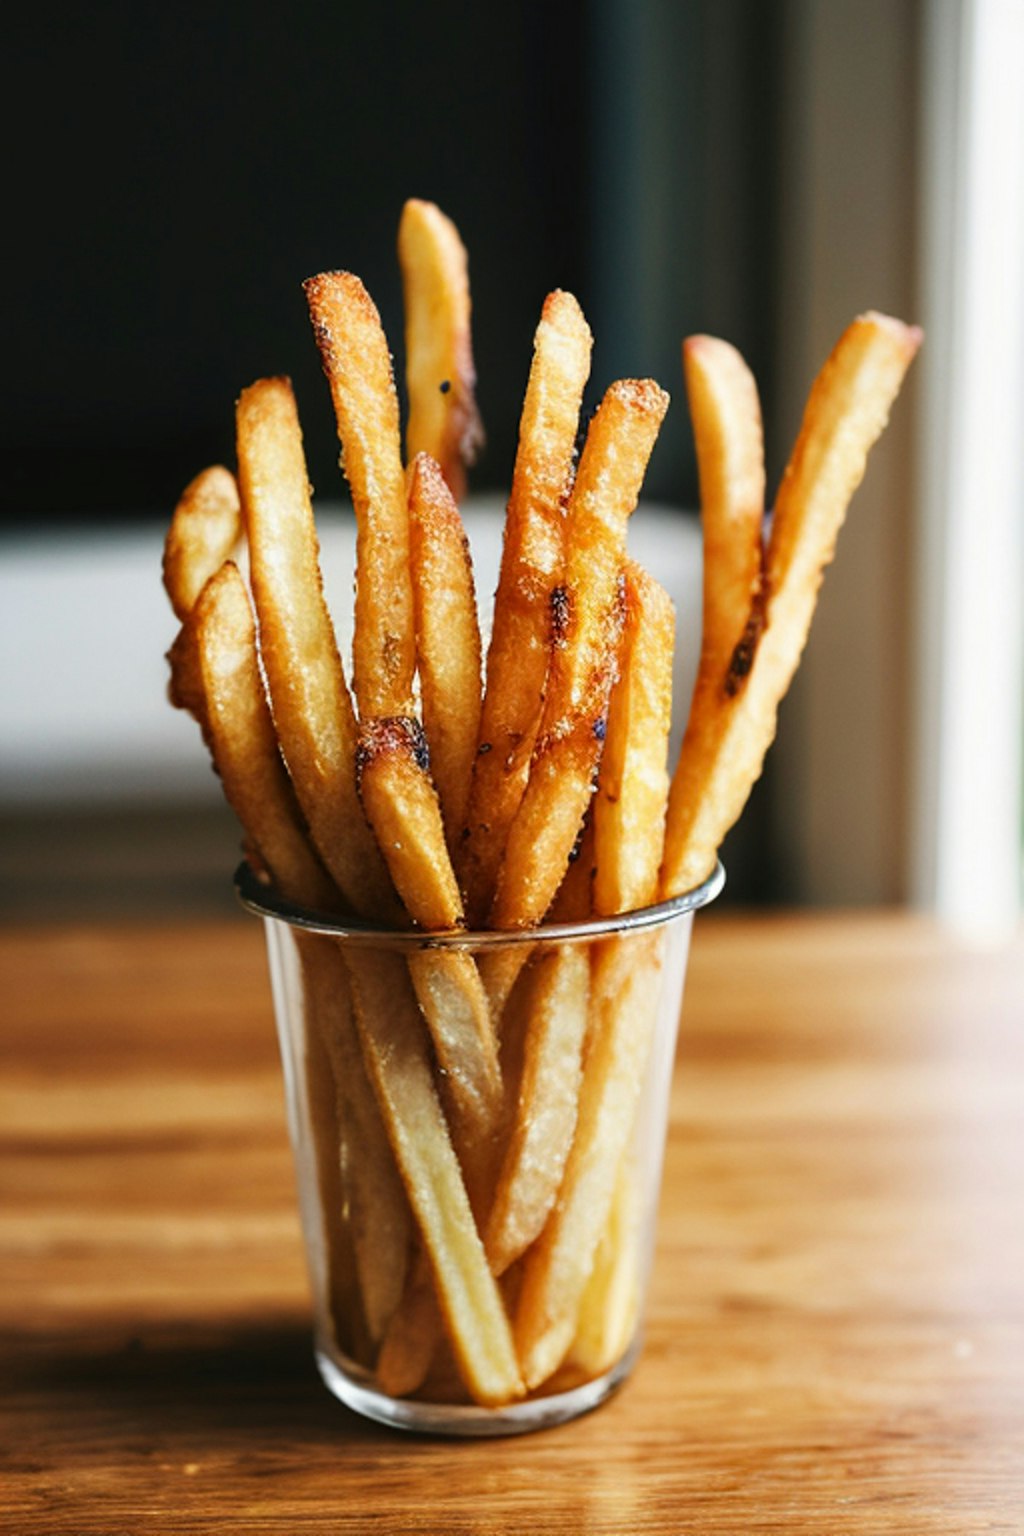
(763, 171)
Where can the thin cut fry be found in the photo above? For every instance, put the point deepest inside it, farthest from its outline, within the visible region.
(395, 1050)
(531, 566)
(440, 377)
(204, 531)
(611, 1300)
(724, 752)
(244, 743)
(310, 700)
(588, 621)
(380, 1221)
(726, 417)
(447, 638)
(546, 1111)
(629, 807)
(413, 1337)
(625, 984)
(355, 357)
(403, 811)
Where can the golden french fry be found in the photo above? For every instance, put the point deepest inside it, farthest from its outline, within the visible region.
(846, 412)
(611, 1300)
(726, 415)
(244, 743)
(379, 1218)
(310, 700)
(396, 1054)
(447, 638)
(413, 1337)
(625, 983)
(531, 567)
(546, 1111)
(354, 352)
(205, 529)
(632, 788)
(440, 377)
(402, 806)
(587, 622)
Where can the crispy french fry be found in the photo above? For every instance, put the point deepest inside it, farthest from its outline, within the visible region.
(447, 638)
(244, 742)
(546, 1112)
(611, 1300)
(625, 983)
(629, 807)
(440, 377)
(846, 412)
(204, 531)
(355, 357)
(403, 810)
(531, 567)
(310, 700)
(726, 416)
(395, 1051)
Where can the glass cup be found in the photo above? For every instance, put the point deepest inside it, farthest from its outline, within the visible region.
(478, 1200)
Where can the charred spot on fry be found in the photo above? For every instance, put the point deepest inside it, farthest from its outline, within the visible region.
(742, 658)
(561, 613)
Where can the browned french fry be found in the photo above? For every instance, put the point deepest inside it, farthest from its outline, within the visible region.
(244, 742)
(846, 412)
(625, 982)
(546, 1112)
(726, 415)
(395, 1049)
(312, 709)
(379, 1212)
(531, 567)
(588, 620)
(204, 531)
(355, 356)
(403, 810)
(440, 377)
(447, 638)
(413, 1337)
(629, 807)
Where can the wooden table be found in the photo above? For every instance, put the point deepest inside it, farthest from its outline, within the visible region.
(836, 1337)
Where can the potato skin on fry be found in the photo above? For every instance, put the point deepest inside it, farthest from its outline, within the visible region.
(443, 417)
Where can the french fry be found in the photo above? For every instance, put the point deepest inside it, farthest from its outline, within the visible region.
(625, 983)
(611, 1300)
(447, 638)
(531, 567)
(413, 1337)
(396, 1055)
(440, 378)
(244, 742)
(588, 621)
(402, 806)
(205, 529)
(312, 709)
(379, 1212)
(546, 1113)
(846, 412)
(355, 357)
(629, 807)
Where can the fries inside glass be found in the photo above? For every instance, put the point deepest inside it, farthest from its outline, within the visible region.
(478, 871)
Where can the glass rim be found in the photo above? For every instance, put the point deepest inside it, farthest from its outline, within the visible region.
(260, 898)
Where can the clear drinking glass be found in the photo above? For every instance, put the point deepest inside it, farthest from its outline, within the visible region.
(478, 1201)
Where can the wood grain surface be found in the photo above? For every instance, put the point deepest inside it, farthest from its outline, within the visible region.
(836, 1332)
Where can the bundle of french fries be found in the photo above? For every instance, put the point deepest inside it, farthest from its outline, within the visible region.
(473, 1113)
